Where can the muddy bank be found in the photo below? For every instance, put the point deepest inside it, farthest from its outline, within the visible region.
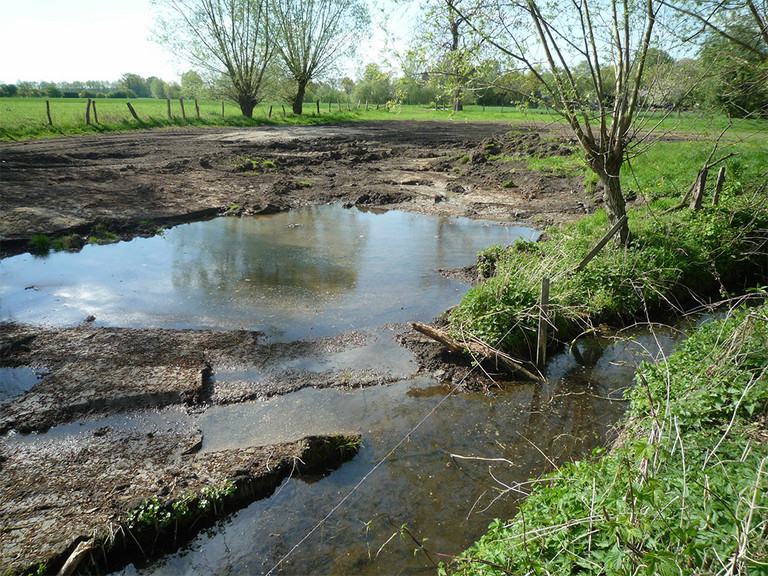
(87, 487)
(96, 371)
(129, 184)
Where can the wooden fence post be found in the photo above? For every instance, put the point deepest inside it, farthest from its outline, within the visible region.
(222, 109)
(48, 111)
(599, 246)
(329, 106)
(318, 106)
(95, 114)
(132, 111)
(698, 192)
(183, 112)
(169, 108)
(541, 349)
(88, 113)
(284, 114)
(270, 112)
(197, 108)
(719, 185)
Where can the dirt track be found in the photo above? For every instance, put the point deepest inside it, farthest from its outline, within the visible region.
(133, 182)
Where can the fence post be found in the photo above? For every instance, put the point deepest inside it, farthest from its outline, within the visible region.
(339, 105)
(88, 113)
(329, 106)
(270, 112)
(284, 111)
(222, 109)
(169, 108)
(599, 246)
(541, 349)
(197, 108)
(719, 185)
(132, 111)
(183, 112)
(318, 106)
(698, 193)
(48, 111)
(95, 114)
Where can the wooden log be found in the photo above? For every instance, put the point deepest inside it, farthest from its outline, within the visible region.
(541, 348)
(474, 348)
(132, 111)
(197, 108)
(48, 111)
(599, 246)
(183, 112)
(88, 113)
(95, 114)
(719, 186)
(698, 193)
(80, 551)
(169, 108)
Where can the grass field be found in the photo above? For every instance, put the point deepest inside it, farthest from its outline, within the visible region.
(22, 118)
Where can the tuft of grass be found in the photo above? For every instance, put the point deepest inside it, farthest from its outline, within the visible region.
(39, 244)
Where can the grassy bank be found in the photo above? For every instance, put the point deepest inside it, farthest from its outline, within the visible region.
(684, 492)
(23, 118)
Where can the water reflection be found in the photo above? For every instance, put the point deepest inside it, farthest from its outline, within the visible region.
(315, 271)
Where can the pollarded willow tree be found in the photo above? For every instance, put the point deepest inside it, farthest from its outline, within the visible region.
(229, 38)
(313, 35)
(611, 40)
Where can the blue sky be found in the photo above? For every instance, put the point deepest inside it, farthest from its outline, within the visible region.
(69, 40)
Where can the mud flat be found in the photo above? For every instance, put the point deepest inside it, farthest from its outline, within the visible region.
(132, 183)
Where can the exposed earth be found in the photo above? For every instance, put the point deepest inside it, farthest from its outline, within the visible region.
(54, 495)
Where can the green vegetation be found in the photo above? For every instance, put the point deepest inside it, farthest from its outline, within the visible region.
(672, 256)
(23, 118)
(685, 491)
(39, 244)
(153, 514)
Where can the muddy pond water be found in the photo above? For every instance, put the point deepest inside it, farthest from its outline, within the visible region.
(316, 271)
(442, 464)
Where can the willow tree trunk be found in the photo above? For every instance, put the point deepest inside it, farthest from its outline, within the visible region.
(608, 168)
(247, 104)
(298, 99)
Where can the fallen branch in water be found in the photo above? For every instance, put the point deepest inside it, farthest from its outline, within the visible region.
(475, 349)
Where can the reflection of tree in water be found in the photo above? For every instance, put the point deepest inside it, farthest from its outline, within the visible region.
(305, 251)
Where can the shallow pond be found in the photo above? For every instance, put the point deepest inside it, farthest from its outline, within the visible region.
(316, 271)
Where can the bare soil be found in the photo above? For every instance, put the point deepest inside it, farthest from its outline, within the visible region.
(54, 493)
(132, 183)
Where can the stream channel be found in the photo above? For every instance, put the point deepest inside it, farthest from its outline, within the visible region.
(323, 271)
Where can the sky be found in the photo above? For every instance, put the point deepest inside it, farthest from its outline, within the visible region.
(80, 40)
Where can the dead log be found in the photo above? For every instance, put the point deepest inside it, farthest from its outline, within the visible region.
(475, 349)
(82, 549)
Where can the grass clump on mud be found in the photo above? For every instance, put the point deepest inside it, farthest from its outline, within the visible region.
(685, 490)
(673, 259)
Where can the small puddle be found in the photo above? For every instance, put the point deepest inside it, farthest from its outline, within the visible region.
(16, 381)
(316, 271)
